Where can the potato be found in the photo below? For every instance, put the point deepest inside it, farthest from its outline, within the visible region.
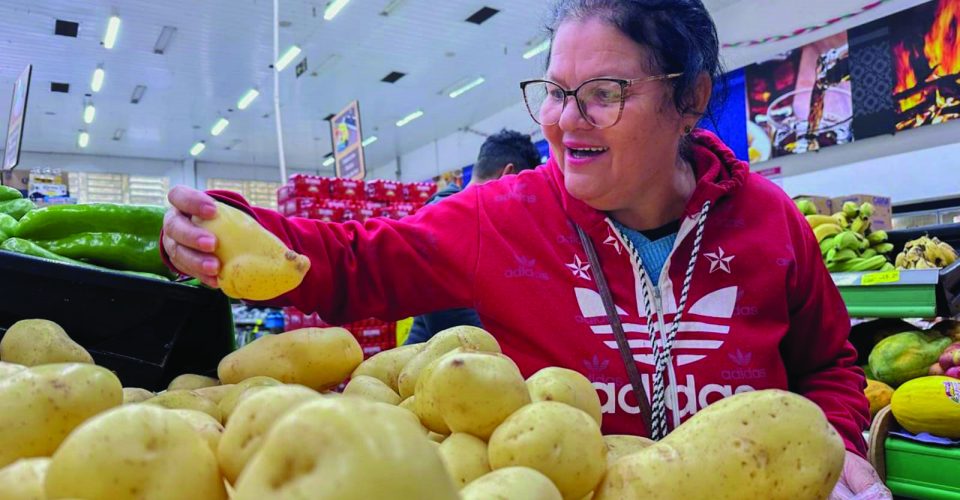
(255, 263)
(425, 406)
(345, 448)
(23, 479)
(459, 336)
(187, 400)
(562, 442)
(189, 381)
(363, 386)
(42, 404)
(319, 358)
(566, 386)
(474, 392)
(621, 445)
(203, 424)
(136, 395)
(409, 404)
(238, 391)
(465, 457)
(386, 365)
(765, 444)
(253, 417)
(215, 393)
(132, 452)
(8, 368)
(436, 437)
(511, 483)
(33, 342)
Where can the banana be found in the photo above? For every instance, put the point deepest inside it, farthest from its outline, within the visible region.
(806, 207)
(883, 247)
(866, 210)
(901, 262)
(842, 255)
(934, 254)
(864, 242)
(860, 225)
(825, 231)
(949, 252)
(871, 264)
(888, 267)
(841, 220)
(866, 254)
(826, 245)
(816, 220)
(851, 210)
(847, 240)
(923, 264)
(877, 237)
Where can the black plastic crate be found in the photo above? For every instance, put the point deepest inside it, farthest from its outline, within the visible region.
(148, 331)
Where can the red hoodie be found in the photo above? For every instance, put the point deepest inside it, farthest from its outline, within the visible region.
(762, 311)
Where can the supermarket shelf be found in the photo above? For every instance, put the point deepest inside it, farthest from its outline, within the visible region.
(920, 293)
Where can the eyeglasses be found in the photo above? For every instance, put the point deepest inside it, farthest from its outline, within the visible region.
(599, 100)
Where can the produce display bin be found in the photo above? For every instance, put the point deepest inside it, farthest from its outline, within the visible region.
(916, 470)
(146, 330)
(915, 293)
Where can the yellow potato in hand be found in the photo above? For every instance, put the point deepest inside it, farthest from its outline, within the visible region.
(254, 263)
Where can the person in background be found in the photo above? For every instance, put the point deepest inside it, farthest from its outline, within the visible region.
(504, 153)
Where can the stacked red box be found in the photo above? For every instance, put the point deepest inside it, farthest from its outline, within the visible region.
(419, 192)
(373, 335)
(307, 186)
(297, 205)
(348, 189)
(401, 210)
(385, 191)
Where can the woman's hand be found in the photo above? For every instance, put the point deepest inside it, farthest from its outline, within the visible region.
(859, 481)
(189, 247)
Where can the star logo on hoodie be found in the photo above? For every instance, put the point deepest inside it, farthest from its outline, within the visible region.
(718, 260)
(613, 241)
(579, 268)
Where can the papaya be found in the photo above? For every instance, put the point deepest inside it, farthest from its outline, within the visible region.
(904, 356)
(929, 404)
(878, 394)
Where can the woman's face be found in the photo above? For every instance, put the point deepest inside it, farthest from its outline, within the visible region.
(641, 149)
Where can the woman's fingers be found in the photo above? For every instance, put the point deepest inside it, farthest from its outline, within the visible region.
(192, 202)
(188, 261)
(178, 226)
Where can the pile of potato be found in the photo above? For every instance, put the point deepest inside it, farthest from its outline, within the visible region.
(452, 418)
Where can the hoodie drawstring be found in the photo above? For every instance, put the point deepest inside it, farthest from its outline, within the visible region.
(662, 349)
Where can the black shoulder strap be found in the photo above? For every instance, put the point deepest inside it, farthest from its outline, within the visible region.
(625, 354)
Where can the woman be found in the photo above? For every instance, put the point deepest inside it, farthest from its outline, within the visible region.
(716, 260)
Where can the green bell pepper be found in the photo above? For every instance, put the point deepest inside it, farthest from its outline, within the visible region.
(59, 221)
(126, 252)
(8, 193)
(8, 224)
(27, 247)
(17, 208)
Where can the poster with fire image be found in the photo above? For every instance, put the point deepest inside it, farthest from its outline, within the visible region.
(800, 101)
(925, 49)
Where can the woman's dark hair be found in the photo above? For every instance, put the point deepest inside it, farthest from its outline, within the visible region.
(680, 35)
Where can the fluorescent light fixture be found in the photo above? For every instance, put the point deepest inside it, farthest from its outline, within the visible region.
(83, 139)
(113, 29)
(328, 162)
(369, 140)
(219, 126)
(466, 88)
(247, 98)
(409, 118)
(197, 148)
(89, 113)
(334, 8)
(163, 41)
(287, 58)
(138, 92)
(97, 82)
(543, 46)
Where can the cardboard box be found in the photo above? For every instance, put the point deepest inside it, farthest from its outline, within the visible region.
(823, 204)
(882, 209)
(17, 179)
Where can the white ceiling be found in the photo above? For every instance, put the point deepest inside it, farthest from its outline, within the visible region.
(224, 47)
